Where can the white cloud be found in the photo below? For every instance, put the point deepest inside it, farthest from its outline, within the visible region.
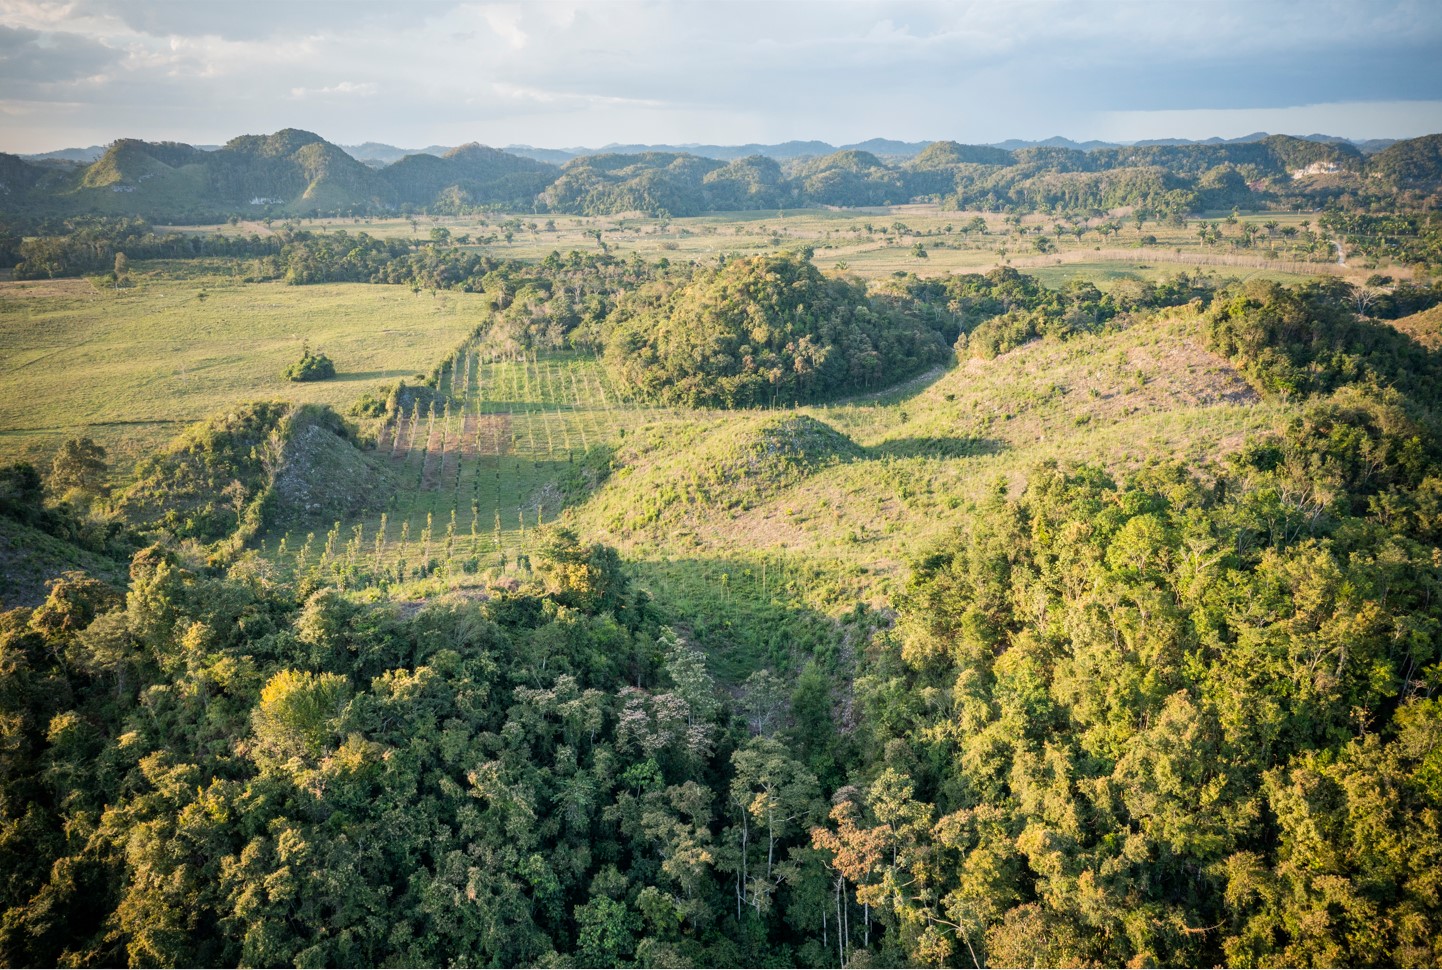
(505, 22)
(569, 98)
(343, 89)
(567, 73)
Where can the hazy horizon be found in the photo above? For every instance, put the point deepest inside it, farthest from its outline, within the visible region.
(1081, 139)
(562, 74)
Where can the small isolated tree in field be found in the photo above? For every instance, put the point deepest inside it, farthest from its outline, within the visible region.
(80, 466)
(310, 367)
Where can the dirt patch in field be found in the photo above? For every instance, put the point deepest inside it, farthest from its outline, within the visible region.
(31, 289)
(1188, 374)
(469, 427)
(403, 440)
(493, 434)
(451, 454)
(435, 460)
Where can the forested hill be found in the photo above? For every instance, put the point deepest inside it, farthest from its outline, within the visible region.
(299, 173)
(290, 171)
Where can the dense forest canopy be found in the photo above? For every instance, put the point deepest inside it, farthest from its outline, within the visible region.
(761, 330)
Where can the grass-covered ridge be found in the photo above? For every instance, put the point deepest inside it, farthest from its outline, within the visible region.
(261, 465)
(717, 467)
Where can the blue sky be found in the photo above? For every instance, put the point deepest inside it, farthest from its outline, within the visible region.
(556, 74)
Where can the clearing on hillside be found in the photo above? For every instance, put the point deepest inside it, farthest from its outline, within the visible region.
(501, 446)
(1424, 327)
(897, 474)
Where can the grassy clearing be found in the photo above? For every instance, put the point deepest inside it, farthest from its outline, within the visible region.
(1106, 272)
(131, 367)
(1424, 327)
(521, 441)
(926, 457)
(760, 530)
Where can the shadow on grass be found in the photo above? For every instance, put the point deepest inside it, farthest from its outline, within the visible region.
(511, 484)
(894, 393)
(354, 376)
(529, 407)
(937, 447)
(746, 613)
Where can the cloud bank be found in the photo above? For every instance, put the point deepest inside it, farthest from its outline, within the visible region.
(558, 73)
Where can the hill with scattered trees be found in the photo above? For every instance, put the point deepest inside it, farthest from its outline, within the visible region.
(700, 605)
(298, 173)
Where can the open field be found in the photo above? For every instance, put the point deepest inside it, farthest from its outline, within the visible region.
(473, 478)
(131, 367)
(879, 241)
(924, 456)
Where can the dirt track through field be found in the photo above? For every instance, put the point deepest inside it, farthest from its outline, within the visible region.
(451, 455)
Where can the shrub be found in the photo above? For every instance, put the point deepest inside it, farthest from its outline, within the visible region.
(310, 367)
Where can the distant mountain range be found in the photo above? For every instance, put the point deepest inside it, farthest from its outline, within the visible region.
(294, 172)
(379, 154)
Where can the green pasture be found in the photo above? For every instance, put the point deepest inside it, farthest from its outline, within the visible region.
(516, 441)
(929, 453)
(527, 442)
(760, 573)
(131, 367)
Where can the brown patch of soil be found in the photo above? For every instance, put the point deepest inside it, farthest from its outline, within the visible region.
(431, 470)
(494, 432)
(469, 428)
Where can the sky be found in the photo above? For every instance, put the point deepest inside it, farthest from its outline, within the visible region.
(562, 74)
